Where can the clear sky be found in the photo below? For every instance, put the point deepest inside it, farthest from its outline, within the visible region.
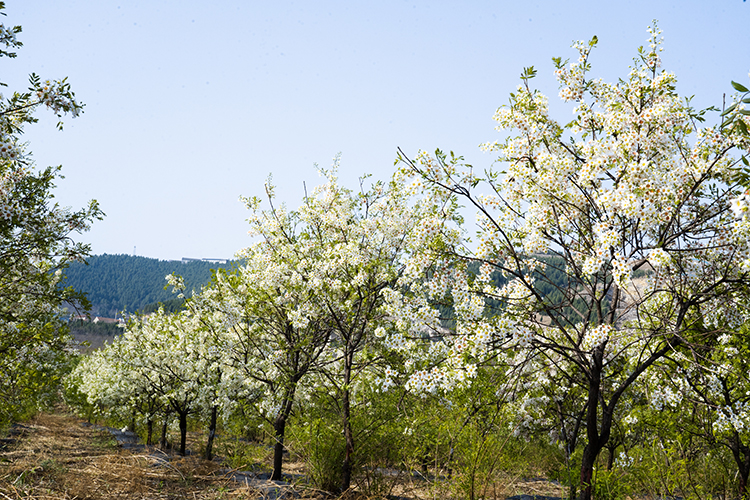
(191, 104)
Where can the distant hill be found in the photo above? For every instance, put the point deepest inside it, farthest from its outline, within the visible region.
(114, 283)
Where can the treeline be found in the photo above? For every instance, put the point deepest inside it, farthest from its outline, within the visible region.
(116, 283)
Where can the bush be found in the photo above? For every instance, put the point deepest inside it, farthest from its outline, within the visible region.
(320, 444)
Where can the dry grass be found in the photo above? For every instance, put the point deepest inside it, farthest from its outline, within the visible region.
(502, 486)
(56, 457)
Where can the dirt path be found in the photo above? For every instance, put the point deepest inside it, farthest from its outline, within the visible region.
(57, 457)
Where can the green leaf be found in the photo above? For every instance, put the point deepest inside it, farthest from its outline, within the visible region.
(744, 160)
(746, 100)
(745, 112)
(739, 87)
(729, 109)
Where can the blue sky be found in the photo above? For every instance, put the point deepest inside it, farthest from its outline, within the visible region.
(190, 105)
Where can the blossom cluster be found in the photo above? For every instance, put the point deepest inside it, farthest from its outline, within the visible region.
(733, 418)
(8, 148)
(658, 258)
(8, 38)
(596, 336)
(664, 396)
(56, 96)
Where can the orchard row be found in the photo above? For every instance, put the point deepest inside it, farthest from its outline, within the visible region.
(602, 287)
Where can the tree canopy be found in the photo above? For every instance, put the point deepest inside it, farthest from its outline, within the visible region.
(634, 182)
(36, 243)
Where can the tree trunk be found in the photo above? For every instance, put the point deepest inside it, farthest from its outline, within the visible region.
(163, 439)
(183, 432)
(587, 471)
(346, 472)
(149, 432)
(571, 441)
(279, 428)
(741, 455)
(211, 434)
(595, 441)
(348, 466)
(743, 482)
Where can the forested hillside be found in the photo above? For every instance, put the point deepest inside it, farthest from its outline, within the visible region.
(114, 283)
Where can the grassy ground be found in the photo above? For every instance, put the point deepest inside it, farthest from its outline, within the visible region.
(58, 456)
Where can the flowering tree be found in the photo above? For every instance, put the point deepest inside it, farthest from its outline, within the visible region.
(162, 365)
(268, 347)
(168, 351)
(114, 387)
(35, 233)
(353, 243)
(308, 298)
(633, 183)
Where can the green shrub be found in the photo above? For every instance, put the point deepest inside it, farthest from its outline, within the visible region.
(692, 471)
(320, 443)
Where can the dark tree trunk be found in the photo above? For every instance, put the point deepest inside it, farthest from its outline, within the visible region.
(183, 431)
(743, 481)
(590, 453)
(163, 439)
(597, 433)
(741, 455)
(149, 432)
(211, 434)
(348, 466)
(595, 441)
(279, 428)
